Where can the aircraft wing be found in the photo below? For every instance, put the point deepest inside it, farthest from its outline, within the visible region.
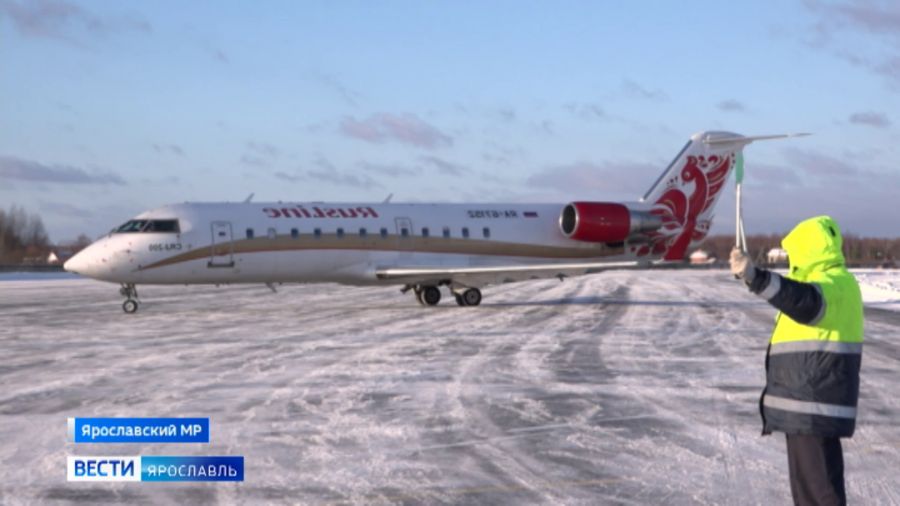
(482, 275)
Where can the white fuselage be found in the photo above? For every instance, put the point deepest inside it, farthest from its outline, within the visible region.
(421, 246)
(333, 242)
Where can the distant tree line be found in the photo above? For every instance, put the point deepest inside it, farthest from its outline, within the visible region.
(22, 235)
(23, 238)
(859, 251)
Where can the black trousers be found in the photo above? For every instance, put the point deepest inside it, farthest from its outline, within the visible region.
(817, 470)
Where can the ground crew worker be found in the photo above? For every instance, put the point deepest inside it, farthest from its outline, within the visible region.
(814, 356)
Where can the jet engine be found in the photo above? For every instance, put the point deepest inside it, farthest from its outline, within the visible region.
(605, 222)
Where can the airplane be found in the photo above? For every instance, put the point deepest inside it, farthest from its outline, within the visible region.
(421, 247)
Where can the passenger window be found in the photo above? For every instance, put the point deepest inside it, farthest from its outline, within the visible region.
(249, 233)
(384, 233)
(363, 232)
(340, 233)
(486, 232)
(318, 233)
(295, 233)
(272, 233)
(425, 232)
(446, 232)
(465, 232)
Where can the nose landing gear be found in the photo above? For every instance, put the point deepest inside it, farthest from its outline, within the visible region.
(129, 291)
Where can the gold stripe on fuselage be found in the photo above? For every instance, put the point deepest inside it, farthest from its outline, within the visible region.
(412, 244)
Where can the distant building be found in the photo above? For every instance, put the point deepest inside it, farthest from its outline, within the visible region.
(33, 260)
(701, 257)
(776, 256)
(60, 255)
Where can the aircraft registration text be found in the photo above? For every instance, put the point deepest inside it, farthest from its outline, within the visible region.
(474, 213)
(172, 246)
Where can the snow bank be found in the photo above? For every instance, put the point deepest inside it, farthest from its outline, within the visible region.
(880, 287)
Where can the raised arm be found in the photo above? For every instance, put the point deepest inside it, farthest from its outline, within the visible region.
(802, 302)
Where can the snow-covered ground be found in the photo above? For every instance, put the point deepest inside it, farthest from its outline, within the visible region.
(880, 287)
(619, 388)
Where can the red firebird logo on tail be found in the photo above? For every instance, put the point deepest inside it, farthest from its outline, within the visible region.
(685, 218)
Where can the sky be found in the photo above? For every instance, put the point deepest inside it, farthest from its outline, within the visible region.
(111, 108)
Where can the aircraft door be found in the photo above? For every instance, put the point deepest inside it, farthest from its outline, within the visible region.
(222, 247)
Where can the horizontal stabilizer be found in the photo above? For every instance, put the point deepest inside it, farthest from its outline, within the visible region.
(743, 141)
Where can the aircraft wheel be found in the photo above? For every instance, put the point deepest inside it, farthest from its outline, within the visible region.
(130, 306)
(431, 295)
(418, 292)
(460, 300)
(472, 297)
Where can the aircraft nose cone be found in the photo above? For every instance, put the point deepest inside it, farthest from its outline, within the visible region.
(77, 264)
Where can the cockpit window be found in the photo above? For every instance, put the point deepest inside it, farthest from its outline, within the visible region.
(132, 226)
(170, 226)
(156, 226)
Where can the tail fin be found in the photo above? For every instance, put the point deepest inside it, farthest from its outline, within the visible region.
(686, 194)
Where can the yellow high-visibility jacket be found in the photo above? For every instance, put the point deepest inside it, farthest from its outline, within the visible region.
(815, 353)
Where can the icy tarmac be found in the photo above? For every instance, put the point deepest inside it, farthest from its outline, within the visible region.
(618, 388)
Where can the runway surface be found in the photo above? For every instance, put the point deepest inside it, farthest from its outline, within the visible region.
(619, 388)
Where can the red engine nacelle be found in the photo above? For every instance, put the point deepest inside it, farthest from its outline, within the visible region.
(604, 222)
(595, 221)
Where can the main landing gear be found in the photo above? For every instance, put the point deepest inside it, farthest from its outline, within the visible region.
(430, 295)
(129, 291)
(469, 297)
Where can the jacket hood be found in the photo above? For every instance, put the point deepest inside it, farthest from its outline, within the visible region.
(813, 245)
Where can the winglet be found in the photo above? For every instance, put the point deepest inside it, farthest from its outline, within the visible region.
(387, 200)
(249, 198)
